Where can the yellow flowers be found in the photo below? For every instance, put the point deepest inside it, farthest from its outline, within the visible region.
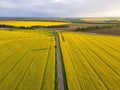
(27, 60)
(32, 23)
(91, 61)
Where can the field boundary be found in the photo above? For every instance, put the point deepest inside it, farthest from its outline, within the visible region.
(62, 83)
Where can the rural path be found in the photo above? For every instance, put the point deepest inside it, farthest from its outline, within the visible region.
(60, 72)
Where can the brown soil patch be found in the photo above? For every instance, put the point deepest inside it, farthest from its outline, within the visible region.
(115, 31)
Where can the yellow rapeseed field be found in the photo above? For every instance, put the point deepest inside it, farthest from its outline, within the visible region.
(32, 23)
(92, 62)
(27, 60)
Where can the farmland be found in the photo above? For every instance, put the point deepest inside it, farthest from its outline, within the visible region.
(31, 23)
(49, 59)
(27, 60)
(95, 20)
(91, 62)
(59, 44)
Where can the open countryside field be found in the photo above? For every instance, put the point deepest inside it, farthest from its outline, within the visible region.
(27, 60)
(31, 23)
(110, 31)
(59, 44)
(91, 62)
(30, 60)
(99, 19)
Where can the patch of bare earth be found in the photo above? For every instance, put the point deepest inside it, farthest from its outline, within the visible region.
(113, 31)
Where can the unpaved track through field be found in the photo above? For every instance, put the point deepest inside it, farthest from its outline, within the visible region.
(60, 72)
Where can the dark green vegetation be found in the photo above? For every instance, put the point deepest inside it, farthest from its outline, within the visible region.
(32, 27)
(98, 27)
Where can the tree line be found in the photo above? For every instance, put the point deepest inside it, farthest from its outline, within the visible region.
(97, 27)
(32, 27)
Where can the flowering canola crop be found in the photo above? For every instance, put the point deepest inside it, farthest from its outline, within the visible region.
(32, 23)
(27, 60)
(92, 62)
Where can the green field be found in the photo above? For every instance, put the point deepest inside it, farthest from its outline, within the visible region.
(27, 60)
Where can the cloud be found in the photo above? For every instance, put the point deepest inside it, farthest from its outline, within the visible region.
(6, 4)
(59, 8)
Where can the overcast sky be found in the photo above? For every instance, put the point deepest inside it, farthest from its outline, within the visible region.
(59, 8)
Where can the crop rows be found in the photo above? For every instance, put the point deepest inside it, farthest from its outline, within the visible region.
(27, 62)
(91, 61)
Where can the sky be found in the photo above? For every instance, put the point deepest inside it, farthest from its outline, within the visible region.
(59, 8)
